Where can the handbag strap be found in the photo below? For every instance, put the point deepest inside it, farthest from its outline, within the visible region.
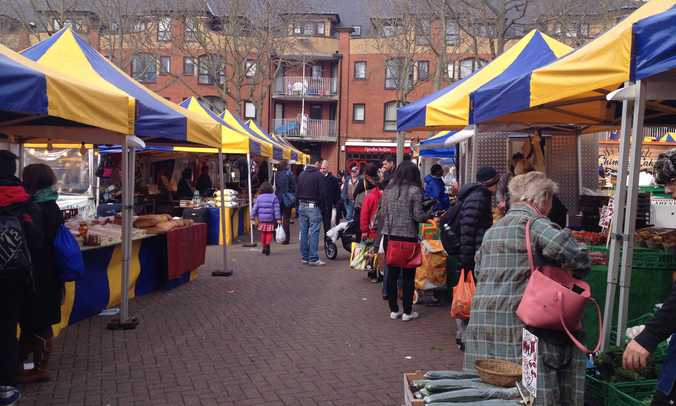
(575, 341)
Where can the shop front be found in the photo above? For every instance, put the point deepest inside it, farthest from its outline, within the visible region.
(363, 152)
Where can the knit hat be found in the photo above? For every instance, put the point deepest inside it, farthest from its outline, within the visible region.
(487, 176)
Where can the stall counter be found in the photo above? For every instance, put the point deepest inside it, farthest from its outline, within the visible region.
(237, 223)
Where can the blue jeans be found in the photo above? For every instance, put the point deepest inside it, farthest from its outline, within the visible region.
(310, 221)
(349, 210)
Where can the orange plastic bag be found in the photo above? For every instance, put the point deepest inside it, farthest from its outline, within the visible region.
(463, 293)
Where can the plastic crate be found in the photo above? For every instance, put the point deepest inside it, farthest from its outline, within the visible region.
(596, 391)
(637, 393)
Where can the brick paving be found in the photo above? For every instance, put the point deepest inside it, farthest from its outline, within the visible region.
(277, 333)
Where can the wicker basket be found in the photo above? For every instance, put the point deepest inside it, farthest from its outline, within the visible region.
(498, 372)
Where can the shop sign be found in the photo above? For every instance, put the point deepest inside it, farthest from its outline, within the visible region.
(529, 362)
(374, 149)
(609, 155)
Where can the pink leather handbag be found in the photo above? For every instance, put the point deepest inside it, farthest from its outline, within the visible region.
(554, 300)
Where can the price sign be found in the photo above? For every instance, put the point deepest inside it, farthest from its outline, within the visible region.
(529, 362)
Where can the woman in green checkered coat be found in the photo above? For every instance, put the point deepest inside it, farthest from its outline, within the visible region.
(502, 273)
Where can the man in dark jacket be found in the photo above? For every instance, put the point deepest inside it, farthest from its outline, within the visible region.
(309, 214)
(389, 166)
(285, 188)
(15, 270)
(329, 194)
(475, 217)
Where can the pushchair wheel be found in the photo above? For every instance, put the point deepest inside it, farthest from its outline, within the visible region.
(330, 249)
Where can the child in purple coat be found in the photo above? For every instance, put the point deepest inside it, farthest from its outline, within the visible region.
(266, 214)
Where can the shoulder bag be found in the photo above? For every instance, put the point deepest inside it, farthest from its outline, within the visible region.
(554, 300)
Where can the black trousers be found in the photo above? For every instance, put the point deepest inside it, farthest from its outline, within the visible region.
(326, 218)
(12, 295)
(286, 218)
(407, 284)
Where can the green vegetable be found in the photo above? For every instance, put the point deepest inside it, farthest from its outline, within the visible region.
(420, 383)
(473, 395)
(450, 375)
(446, 385)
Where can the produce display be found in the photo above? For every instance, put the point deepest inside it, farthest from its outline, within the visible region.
(598, 258)
(590, 237)
(656, 238)
(439, 388)
(230, 198)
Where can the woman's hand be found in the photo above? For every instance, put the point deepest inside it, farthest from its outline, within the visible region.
(635, 357)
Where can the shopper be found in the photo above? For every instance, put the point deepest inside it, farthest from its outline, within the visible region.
(436, 189)
(185, 190)
(204, 184)
(43, 309)
(368, 224)
(388, 168)
(661, 326)
(266, 213)
(329, 195)
(285, 189)
(402, 212)
(349, 184)
(502, 272)
(309, 214)
(475, 217)
(15, 268)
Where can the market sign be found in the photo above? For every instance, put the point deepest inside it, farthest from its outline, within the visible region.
(374, 149)
(609, 154)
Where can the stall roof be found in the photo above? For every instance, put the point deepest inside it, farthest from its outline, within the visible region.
(43, 98)
(285, 151)
(446, 139)
(296, 154)
(572, 90)
(450, 108)
(232, 141)
(235, 122)
(156, 118)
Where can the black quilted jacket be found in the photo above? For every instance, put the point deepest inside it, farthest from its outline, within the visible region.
(475, 218)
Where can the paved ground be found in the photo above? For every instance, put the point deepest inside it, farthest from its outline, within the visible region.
(276, 333)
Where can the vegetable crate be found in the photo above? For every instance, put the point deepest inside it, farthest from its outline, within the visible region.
(596, 390)
(646, 258)
(409, 399)
(637, 393)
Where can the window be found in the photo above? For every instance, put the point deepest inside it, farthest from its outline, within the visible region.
(452, 34)
(139, 26)
(249, 110)
(297, 29)
(165, 65)
(320, 28)
(360, 70)
(316, 71)
(191, 29)
(423, 70)
(469, 66)
(189, 66)
(423, 32)
(356, 31)
(450, 70)
(391, 73)
(214, 103)
(211, 70)
(250, 69)
(390, 29)
(309, 28)
(359, 112)
(164, 29)
(390, 116)
(143, 68)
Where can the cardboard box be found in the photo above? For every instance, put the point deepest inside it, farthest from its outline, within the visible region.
(409, 400)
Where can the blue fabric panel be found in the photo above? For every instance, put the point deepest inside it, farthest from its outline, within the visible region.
(153, 262)
(240, 222)
(438, 140)
(510, 91)
(277, 153)
(213, 226)
(116, 149)
(91, 291)
(22, 89)
(173, 284)
(438, 153)
(413, 114)
(154, 119)
(654, 45)
(38, 50)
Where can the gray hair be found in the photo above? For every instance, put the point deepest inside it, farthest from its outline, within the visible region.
(533, 187)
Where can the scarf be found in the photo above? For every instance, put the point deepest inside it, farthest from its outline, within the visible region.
(45, 195)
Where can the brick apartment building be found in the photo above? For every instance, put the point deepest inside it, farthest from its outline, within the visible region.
(338, 77)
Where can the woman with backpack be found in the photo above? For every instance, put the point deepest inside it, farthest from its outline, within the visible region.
(266, 214)
(43, 308)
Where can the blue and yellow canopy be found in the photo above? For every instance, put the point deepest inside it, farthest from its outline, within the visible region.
(234, 122)
(36, 94)
(283, 149)
(668, 137)
(67, 53)
(290, 152)
(442, 144)
(450, 108)
(232, 141)
(572, 89)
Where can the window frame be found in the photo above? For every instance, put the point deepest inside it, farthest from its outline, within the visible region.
(211, 80)
(356, 31)
(386, 121)
(455, 36)
(162, 71)
(164, 29)
(144, 68)
(354, 73)
(395, 77)
(250, 68)
(354, 112)
(193, 64)
(190, 31)
(320, 24)
(450, 73)
(245, 112)
(427, 70)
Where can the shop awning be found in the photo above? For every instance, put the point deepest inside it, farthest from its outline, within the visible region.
(49, 101)
(232, 141)
(450, 108)
(572, 90)
(156, 118)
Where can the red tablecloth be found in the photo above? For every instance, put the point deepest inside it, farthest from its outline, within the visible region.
(186, 249)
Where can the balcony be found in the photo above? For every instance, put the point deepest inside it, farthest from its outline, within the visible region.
(317, 130)
(295, 87)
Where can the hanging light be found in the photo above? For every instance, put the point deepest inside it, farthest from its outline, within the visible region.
(83, 150)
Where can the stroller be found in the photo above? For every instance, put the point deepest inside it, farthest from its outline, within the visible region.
(347, 232)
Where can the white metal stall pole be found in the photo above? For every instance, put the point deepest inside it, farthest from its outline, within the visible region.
(617, 223)
(124, 321)
(226, 271)
(251, 243)
(91, 160)
(632, 200)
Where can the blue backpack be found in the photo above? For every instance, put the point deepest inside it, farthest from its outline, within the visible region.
(69, 262)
